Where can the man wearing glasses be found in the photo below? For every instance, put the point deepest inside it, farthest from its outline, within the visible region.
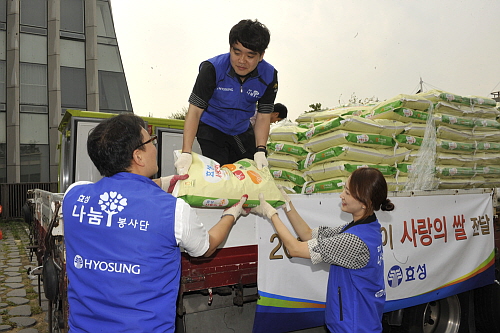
(123, 235)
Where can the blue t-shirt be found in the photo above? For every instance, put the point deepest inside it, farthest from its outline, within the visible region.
(122, 258)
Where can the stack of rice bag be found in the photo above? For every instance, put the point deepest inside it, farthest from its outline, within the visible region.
(319, 152)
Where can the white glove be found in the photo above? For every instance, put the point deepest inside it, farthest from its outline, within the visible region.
(168, 182)
(286, 197)
(260, 159)
(264, 209)
(237, 209)
(183, 163)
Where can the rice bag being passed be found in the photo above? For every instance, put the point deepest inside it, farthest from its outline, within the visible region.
(212, 185)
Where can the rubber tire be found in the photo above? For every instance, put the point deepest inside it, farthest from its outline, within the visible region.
(487, 308)
(50, 276)
(413, 317)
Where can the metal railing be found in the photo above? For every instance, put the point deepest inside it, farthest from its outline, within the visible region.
(13, 197)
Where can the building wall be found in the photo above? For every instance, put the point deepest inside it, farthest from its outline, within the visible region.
(54, 55)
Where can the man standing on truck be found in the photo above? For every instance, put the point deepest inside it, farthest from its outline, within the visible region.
(123, 235)
(229, 89)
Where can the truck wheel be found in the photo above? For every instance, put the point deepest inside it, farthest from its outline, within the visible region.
(441, 316)
(487, 308)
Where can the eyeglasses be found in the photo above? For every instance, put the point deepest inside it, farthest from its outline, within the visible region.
(152, 139)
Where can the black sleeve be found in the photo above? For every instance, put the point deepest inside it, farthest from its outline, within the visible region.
(204, 86)
(266, 103)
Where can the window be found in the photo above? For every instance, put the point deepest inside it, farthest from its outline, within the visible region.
(34, 135)
(34, 163)
(73, 88)
(33, 49)
(34, 13)
(104, 21)
(3, 10)
(113, 92)
(33, 84)
(3, 148)
(72, 16)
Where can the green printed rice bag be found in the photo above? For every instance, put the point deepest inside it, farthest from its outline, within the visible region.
(444, 145)
(358, 154)
(331, 185)
(404, 168)
(212, 185)
(466, 135)
(346, 123)
(466, 172)
(466, 123)
(291, 175)
(409, 141)
(468, 160)
(414, 102)
(342, 169)
(337, 138)
(438, 96)
(466, 111)
(287, 148)
(403, 114)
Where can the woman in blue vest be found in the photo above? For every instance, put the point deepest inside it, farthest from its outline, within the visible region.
(229, 89)
(356, 290)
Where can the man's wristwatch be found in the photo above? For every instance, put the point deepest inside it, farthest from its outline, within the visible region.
(261, 148)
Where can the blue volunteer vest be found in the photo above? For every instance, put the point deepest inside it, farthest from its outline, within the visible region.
(232, 103)
(122, 260)
(355, 297)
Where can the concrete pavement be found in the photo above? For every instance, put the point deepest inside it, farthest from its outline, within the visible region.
(21, 309)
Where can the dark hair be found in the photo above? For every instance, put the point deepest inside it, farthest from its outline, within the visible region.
(368, 186)
(281, 109)
(251, 34)
(111, 144)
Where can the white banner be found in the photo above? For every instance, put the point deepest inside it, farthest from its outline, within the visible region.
(431, 244)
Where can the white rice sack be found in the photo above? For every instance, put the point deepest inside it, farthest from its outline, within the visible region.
(415, 129)
(285, 161)
(466, 135)
(286, 133)
(288, 186)
(212, 185)
(468, 160)
(451, 183)
(396, 183)
(390, 127)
